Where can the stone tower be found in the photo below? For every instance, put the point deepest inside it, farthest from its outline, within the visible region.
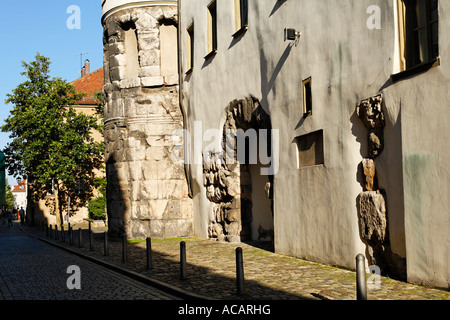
(147, 192)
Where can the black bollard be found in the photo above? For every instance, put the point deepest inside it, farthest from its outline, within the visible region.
(124, 247)
(183, 260)
(70, 236)
(361, 283)
(149, 254)
(80, 238)
(106, 243)
(63, 238)
(50, 232)
(56, 232)
(239, 271)
(91, 246)
(46, 231)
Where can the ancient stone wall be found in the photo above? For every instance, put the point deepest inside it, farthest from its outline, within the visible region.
(227, 181)
(146, 191)
(372, 214)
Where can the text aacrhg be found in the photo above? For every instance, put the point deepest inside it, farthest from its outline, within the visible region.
(234, 309)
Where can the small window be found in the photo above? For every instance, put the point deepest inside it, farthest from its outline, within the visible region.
(190, 48)
(310, 149)
(212, 28)
(241, 14)
(131, 50)
(79, 187)
(51, 188)
(419, 23)
(307, 97)
(168, 43)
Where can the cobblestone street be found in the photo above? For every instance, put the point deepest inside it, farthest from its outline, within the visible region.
(33, 270)
(211, 271)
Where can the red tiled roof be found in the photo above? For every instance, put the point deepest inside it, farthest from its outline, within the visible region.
(20, 188)
(88, 84)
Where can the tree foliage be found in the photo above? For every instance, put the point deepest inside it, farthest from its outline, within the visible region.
(97, 206)
(50, 140)
(9, 197)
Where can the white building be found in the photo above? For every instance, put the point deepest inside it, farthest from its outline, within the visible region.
(20, 195)
(357, 95)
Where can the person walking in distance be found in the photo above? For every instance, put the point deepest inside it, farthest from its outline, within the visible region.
(10, 216)
(22, 215)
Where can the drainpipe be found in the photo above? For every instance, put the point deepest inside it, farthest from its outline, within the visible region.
(187, 170)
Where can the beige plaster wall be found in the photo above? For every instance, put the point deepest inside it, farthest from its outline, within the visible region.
(315, 208)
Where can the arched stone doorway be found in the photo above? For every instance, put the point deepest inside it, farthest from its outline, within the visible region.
(234, 178)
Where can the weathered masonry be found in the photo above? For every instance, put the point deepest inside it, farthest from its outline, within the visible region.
(147, 192)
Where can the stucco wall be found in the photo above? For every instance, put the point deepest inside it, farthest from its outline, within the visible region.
(315, 208)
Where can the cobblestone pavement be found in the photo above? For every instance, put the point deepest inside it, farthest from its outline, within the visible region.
(211, 271)
(33, 270)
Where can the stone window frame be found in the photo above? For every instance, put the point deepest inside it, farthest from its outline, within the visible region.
(408, 69)
(307, 92)
(211, 29)
(240, 17)
(190, 48)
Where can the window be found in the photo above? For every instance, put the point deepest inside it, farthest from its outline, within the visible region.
(131, 50)
(190, 48)
(79, 187)
(241, 14)
(168, 48)
(310, 149)
(418, 26)
(307, 97)
(212, 28)
(51, 188)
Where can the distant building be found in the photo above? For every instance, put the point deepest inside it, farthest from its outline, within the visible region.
(20, 195)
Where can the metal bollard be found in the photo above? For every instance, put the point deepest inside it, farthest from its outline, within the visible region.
(183, 260)
(105, 243)
(124, 247)
(91, 247)
(70, 236)
(46, 231)
(149, 254)
(239, 271)
(80, 238)
(56, 232)
(63, 238)
(361, 283)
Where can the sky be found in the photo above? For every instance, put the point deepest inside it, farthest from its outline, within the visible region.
(55, 30)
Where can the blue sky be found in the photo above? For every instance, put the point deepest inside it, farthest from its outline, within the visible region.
(30, 26)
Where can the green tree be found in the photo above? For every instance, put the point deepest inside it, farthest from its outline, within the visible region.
(97, 206)
(9, 197)
(51, 142)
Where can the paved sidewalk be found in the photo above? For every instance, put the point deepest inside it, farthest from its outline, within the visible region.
(211, 271)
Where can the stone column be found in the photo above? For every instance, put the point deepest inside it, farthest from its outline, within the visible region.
(147, 192)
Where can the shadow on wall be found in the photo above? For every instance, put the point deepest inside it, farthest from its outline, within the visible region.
(116, 204)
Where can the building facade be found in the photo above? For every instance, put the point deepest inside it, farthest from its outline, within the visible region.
(147, 193)
(350, 101)
(20, 195)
